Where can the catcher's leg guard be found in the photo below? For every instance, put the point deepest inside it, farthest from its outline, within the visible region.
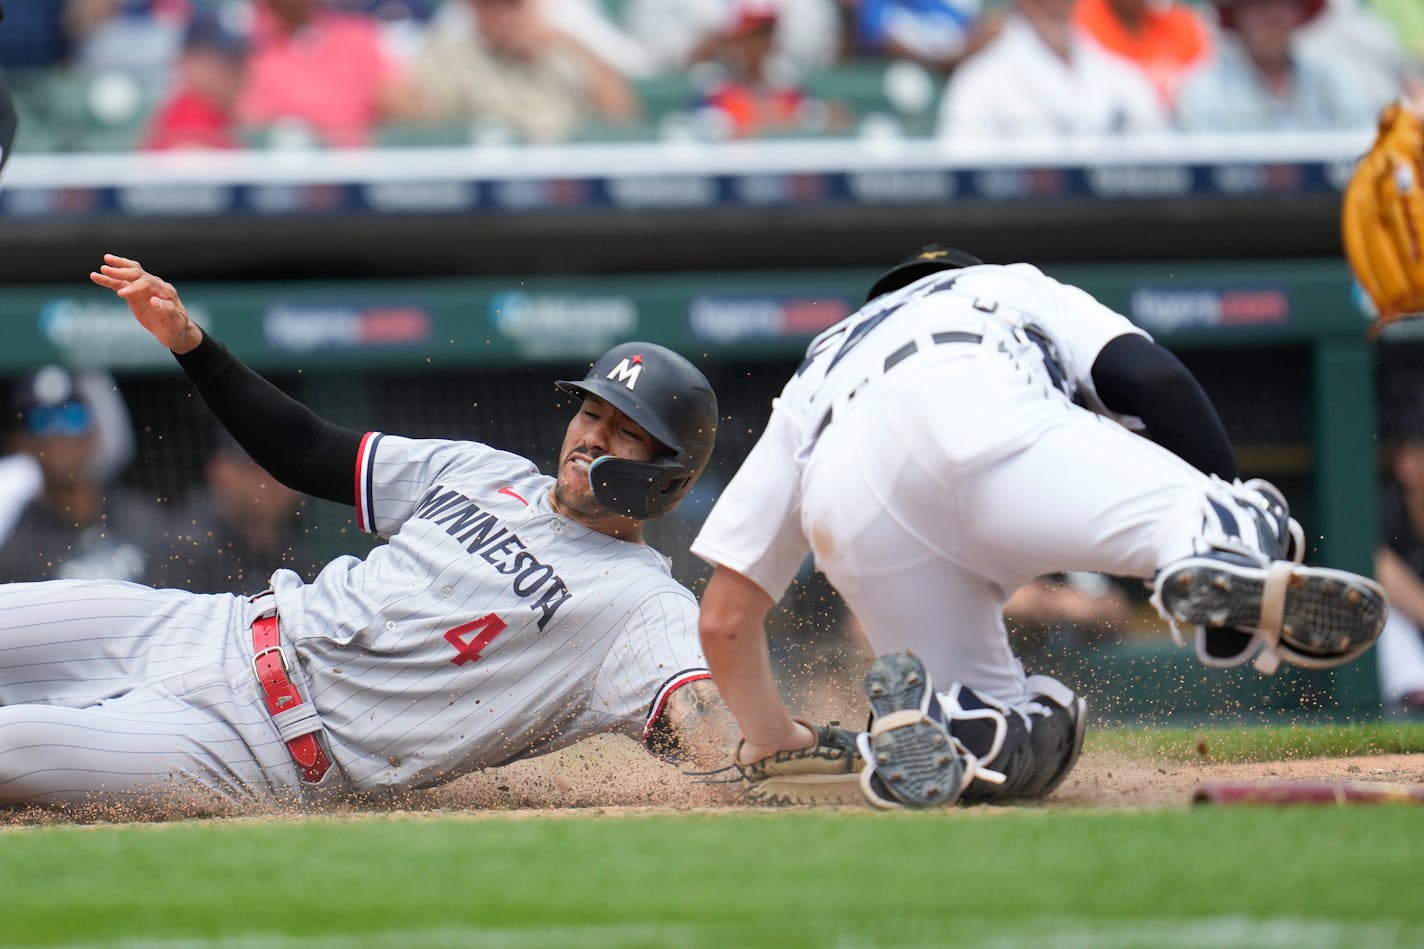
(1244, 590)
(1018, 755)
(910, 758)
(1059, 721)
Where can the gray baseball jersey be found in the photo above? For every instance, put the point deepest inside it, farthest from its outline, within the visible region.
(488, 629)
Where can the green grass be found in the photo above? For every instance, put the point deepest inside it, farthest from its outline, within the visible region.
(1002, 877)
(1010, 877)
(1273, 743)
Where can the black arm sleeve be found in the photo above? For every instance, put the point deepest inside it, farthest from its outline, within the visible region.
(1134, 376)
(304, 452)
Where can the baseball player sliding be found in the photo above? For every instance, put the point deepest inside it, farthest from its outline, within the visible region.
(511, 613)
(967, 430)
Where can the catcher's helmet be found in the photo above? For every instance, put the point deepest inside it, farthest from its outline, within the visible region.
(930, 258)
(673, 402)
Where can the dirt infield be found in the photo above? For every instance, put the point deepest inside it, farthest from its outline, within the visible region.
(615, 775)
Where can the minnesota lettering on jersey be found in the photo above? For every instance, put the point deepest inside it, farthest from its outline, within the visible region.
(481, 533)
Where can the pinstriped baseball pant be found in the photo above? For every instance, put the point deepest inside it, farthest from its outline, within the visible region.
(113, 692)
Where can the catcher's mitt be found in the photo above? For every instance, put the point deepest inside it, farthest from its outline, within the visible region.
(825, 773)
(1382, 220)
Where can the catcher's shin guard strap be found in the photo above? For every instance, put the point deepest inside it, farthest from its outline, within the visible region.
(1273, 607)
(982, 726)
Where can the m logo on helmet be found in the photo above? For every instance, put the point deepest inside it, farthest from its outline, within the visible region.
(627, 371)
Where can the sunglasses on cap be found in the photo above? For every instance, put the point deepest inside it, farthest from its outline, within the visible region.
(71, 418)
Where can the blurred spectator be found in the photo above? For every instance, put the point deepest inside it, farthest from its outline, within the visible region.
(744, 96)
(79, 525)
(590, 22)
(200, 113)
(681, 33)
(128, 43)
(1399, 567)
(1257, 80)
(35, 35)
(503, 60)
(1362, 41)
(316, 76)
(1407, 18)
(1066, 610)
(935, 33)
(21, 478)
(1163, 38)
(229, 536)
(402, 22)
(1043, 77)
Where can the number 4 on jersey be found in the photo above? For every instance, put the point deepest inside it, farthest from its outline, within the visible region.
(489, 626)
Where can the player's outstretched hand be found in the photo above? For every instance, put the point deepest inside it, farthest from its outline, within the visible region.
(153, 300)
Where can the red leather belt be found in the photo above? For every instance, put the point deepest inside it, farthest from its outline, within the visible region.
(269, 661)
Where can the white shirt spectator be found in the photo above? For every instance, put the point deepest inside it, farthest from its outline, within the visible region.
(1227, 95)
(1018, 86)
(807, 32)
(587, 20)
(1361, 41)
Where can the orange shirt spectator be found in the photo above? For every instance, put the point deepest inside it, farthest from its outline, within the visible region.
(1165, 39)
(326, 70)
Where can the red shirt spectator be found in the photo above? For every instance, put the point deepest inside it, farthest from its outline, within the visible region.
(199, 114)
(191, 120)
(1164, 39)
(328, 70)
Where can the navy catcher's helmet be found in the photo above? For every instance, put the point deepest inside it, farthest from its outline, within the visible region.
(673, 402)
(931, 257)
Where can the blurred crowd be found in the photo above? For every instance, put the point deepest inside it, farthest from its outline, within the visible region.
(344, 73)
(65, 512)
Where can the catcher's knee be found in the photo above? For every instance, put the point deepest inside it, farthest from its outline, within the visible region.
(1020, 754)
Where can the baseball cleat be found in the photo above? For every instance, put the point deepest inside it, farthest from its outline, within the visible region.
(910, 759)
(1321, 611)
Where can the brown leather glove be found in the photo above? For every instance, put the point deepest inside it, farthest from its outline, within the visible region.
(825, 773)
(1382, 220)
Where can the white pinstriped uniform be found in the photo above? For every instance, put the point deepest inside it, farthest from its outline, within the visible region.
(951, 470)
(488, 629)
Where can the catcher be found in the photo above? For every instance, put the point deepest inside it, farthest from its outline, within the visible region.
(968, 429)
(1382, 220)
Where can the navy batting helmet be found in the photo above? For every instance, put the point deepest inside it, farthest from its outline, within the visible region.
(674, 403)
(931, 257)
